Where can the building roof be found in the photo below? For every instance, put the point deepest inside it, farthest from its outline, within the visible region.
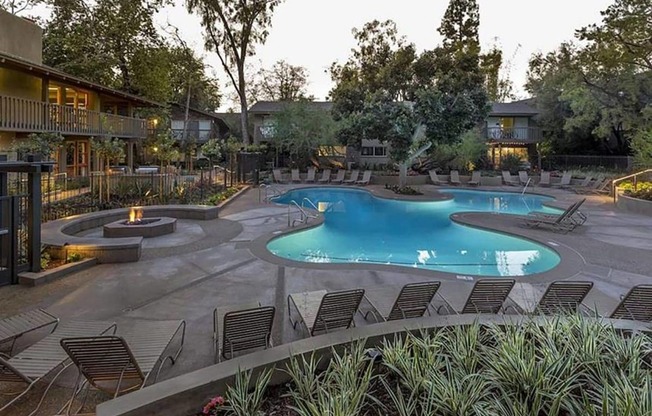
(516, 108)
(21, 64)
(268, 107)
(217, 117)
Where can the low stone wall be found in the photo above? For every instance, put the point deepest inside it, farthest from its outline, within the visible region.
(185, 394)
(635, 205)
(60, 235)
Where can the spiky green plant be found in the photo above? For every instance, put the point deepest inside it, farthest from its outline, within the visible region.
(341, 390)
(244, 401)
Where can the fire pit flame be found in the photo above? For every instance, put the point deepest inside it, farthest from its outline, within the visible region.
(135, 216)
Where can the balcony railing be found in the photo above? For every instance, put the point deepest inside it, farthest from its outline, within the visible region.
(22, 115)
(513, 134)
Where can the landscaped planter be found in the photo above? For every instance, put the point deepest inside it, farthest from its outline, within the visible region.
(638, 206)
(186, 394)
(35, 279)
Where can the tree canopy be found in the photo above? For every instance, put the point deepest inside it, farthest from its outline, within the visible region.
(115, 43)
(233, 29)
(281, 82)
(445, 86)
(593, 95)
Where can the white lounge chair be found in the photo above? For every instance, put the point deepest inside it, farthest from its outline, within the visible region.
(454, 178)
(296, 176)
(523, 177)
(507, 179)
(565, 180)
(545, 179)
(475, 178)
(434, 178)
(278, 176)
(354, 177)
(339, 178)
(325, 176)
(366, 178)
(310, 176)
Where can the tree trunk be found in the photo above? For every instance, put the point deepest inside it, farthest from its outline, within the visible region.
(244, 116)
(184, 135)
(402, 175)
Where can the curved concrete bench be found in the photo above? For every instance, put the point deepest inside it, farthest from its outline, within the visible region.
(60, 235)
(186, 393)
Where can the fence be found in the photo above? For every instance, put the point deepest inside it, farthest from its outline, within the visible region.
(103, 190)
(621, 163)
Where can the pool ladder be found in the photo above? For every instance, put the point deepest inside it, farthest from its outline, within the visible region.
(274, 192)
(305, 216)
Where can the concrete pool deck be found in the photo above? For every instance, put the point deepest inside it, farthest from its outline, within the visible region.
(185, 276)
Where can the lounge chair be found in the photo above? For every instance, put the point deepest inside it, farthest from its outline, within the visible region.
(296, 177)
(545, 179)
(600, 185)
(507, 179)
(434, 178)
(575, 216)
(565, 180)
(322, 311)
(44, 357)
(354, 177)
(584, 184)
(118, 364)
(523, 177)
(339, 178)
(454, 178)
(244, 328)
(278, 176)
(412, 301)
(13, 327)
(325, 176)
(563, 297)
(636, 305)
(475, 178)
(310, 176)
(487, 296)
(366, 178)
(563, 222)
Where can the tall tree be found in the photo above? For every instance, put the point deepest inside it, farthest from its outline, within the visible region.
(496, 72)
(17, 7)
(282, 82)
(300, 129)
(233, 28)
(604, 87)
(115, 43)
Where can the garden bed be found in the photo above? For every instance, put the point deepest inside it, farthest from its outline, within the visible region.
(497, 364)
(560, 367)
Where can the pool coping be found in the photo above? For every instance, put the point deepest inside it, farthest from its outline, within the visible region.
(570, 264)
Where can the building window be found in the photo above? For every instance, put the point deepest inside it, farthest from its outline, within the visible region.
(367, 151)
(380, 151)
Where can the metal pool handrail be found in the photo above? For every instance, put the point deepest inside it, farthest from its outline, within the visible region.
(526, 185)
(275, 191)
(633, 175)
(304, 215)
(310, 202)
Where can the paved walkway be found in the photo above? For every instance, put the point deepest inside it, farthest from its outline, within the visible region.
(209, 264)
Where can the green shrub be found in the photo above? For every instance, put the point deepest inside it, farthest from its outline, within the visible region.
(510, 163)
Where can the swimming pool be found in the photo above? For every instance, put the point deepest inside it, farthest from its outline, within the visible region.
(361, 228)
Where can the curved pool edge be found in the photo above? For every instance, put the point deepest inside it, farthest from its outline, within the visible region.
(570, 261)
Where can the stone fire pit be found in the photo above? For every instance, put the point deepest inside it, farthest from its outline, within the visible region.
(137, 226)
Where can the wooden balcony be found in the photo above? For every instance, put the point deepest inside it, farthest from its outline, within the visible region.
(516, 135)
(21, 115)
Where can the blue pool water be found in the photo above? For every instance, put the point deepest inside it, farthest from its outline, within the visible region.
(360, 228)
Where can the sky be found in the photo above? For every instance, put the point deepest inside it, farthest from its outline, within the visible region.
(316, 33)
